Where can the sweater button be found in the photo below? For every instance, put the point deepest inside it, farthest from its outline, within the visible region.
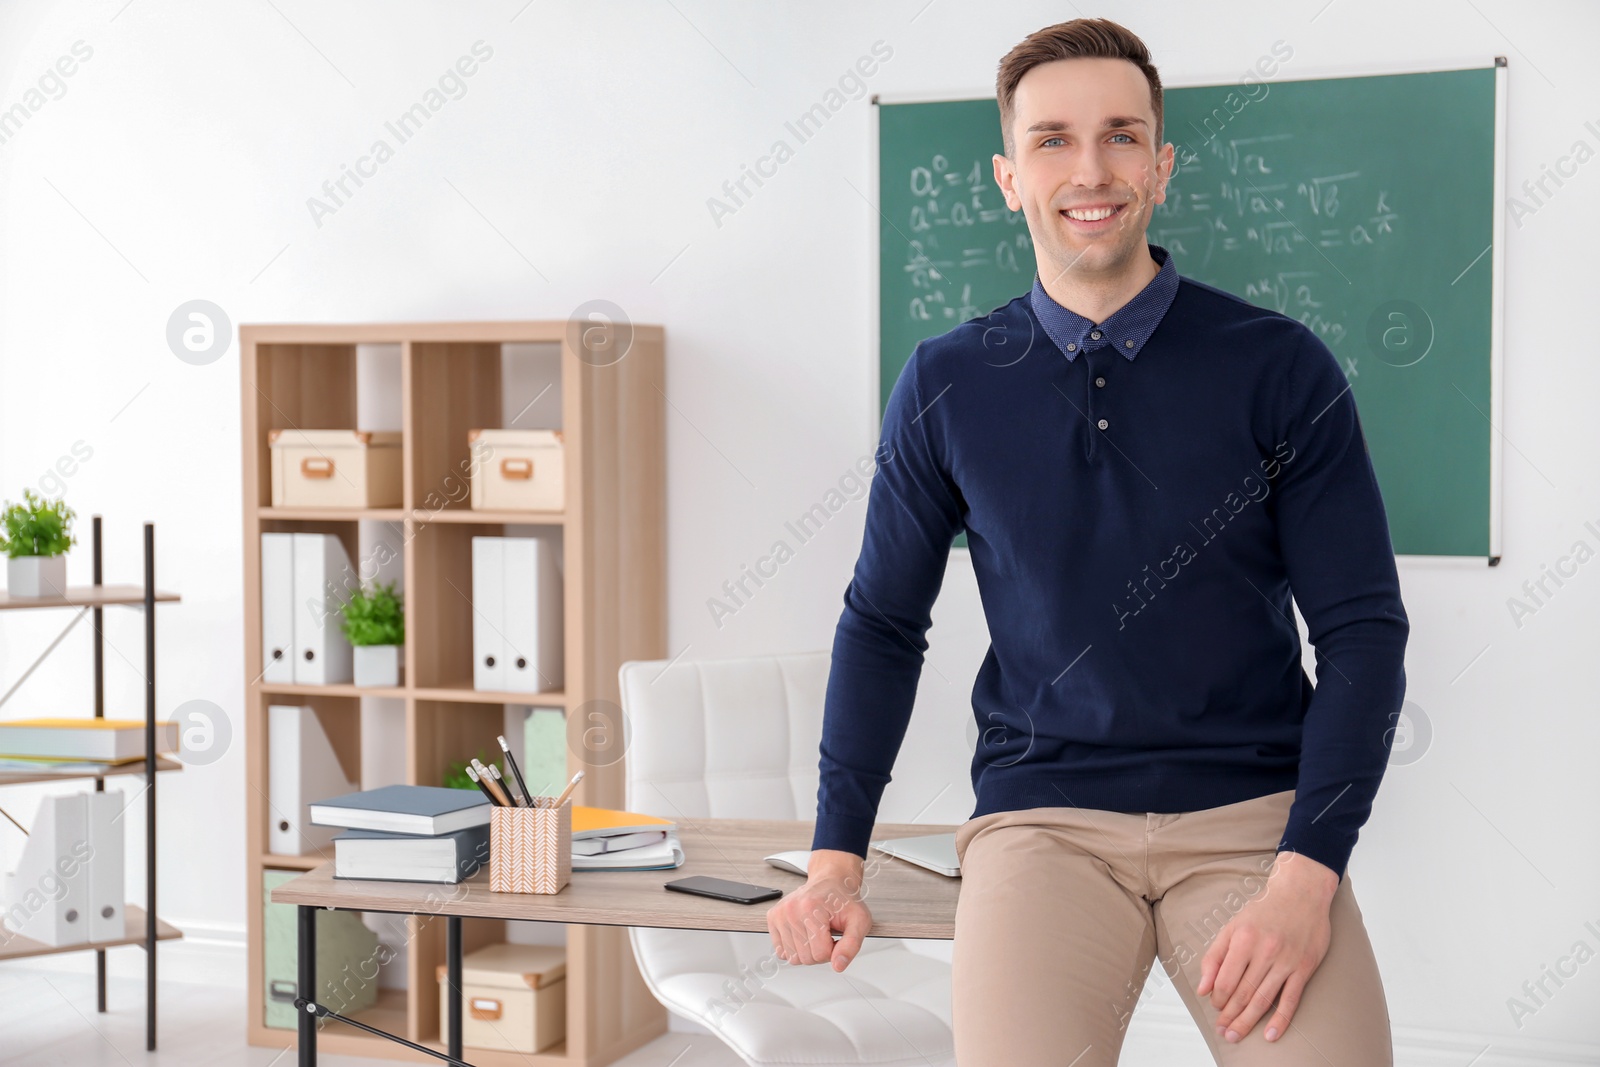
(1100, 383)
(1102, 424)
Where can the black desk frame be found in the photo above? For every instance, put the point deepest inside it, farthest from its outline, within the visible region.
(310, 1011)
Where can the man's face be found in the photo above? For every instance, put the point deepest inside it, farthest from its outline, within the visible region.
(1083, 135)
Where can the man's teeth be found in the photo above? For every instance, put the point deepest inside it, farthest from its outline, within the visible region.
(1091, 216)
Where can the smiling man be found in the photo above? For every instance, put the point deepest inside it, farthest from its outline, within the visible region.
(1148, 469)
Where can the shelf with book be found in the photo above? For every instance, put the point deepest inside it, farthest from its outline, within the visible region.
(46, 774)
(456, 377)
(146, 927)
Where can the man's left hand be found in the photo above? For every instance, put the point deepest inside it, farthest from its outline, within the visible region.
(1272, 946)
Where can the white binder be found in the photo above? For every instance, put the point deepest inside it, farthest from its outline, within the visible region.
(277, 607)
(488, 613)
(302, 769)
(532, 628)
(67, 887)
(107, 896)
(322, 655)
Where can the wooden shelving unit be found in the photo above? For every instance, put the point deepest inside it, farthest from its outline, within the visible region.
(613, 533)
(142, 925)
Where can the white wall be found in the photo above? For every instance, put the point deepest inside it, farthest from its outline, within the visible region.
(178, 163)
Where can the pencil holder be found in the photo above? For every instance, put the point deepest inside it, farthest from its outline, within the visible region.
(530, 849)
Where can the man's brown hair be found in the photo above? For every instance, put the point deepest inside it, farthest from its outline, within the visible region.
(1078, 39)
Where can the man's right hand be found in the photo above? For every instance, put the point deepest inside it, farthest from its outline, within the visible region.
(803, 922)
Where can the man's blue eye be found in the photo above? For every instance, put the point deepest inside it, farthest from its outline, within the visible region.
(1048, 141)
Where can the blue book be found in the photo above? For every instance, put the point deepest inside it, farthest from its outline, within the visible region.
(405, 809)
(446, 858)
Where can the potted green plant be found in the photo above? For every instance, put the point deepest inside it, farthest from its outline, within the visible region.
(374, 622)
(35, 536)
(455, 775)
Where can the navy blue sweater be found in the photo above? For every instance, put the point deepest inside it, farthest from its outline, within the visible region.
(1140, 498)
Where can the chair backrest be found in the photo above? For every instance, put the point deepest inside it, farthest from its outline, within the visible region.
(724, 738)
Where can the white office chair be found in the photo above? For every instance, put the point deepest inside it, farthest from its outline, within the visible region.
(737, 738)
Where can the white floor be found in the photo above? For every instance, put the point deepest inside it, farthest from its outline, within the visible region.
(47, 1019)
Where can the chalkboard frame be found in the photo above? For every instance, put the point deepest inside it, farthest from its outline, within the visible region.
(1496, 254)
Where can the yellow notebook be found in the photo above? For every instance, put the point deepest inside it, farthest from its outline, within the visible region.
(101, 740)
(603, 822)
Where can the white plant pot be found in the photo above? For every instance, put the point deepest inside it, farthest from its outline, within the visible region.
(379, 665)
(37, 576)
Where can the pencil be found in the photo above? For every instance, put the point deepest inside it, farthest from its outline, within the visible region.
(488, 782)
(562, 799)
(516, 772)
(482, 788)
(500, 780)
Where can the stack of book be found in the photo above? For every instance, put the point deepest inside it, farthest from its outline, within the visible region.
(419, 833)
(407, 833)
(604, 839)
(79, 746)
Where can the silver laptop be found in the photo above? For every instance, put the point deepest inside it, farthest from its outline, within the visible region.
(936, 852)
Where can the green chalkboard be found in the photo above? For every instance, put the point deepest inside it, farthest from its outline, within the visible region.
(1365, 207)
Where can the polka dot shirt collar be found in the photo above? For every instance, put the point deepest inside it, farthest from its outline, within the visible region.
(1125, 330)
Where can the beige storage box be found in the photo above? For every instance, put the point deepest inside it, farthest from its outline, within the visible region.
(517, 470)
(513, 997)
(335, 469)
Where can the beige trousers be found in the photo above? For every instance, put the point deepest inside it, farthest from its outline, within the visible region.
(1063, 910)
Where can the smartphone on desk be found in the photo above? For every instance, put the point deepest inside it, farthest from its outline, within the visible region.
(722, 889)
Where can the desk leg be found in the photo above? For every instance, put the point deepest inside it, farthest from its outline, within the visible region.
(452, 965)
(308, 985)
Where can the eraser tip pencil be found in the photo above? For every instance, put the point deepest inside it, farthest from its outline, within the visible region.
(482, 788)
(562, 799)
(516, 773)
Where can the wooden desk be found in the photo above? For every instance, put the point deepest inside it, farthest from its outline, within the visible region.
(906, 901)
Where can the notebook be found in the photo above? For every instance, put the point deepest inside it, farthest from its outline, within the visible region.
(594, 846)
(663, 854)
(102, 740)
(405, 809)
(446, 858)
(602, 822)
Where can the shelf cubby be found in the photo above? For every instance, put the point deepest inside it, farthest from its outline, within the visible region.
(441, 559)
(340, 720)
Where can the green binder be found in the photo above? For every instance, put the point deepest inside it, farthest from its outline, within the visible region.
(544, 751)
(348, 957)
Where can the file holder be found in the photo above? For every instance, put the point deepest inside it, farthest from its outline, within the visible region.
(68, 885)
(530, 849)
